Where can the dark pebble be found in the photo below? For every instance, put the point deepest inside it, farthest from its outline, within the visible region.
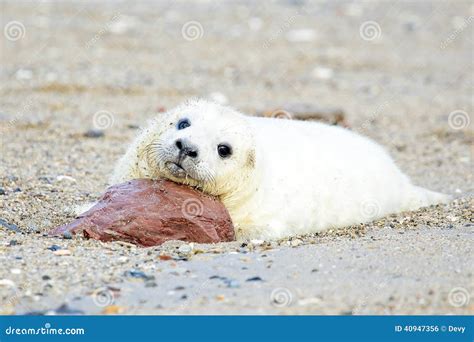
(17, 190)
(179, 288)
(9, 226)
(46, 277)
(66, 310)
(54, 248)
(94, 133)
(138, 274)
(2, 191)
(13, 243)
(67, 235)
(62, 310)
(254, 279)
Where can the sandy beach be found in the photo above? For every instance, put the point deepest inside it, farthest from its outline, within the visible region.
(79, 79)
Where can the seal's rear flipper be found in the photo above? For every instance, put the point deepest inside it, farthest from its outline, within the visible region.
(425, 197)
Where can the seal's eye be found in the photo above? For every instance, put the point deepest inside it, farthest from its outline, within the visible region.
(183, 123)
(224, 150)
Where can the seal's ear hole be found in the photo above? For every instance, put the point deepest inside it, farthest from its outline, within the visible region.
(250, 162)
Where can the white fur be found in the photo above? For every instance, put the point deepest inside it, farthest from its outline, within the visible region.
(307, 176)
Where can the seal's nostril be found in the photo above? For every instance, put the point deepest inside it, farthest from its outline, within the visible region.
(179, 144)
(192, 154)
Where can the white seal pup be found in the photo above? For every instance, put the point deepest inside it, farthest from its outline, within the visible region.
(275, 177)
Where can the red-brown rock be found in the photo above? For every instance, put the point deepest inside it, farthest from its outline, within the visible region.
(148, 213)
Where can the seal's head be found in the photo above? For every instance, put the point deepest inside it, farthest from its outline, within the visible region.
(205, 145)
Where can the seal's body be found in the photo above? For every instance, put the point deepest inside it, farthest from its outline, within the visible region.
(275, 177)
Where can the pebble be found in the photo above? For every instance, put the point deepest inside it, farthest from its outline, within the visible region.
(65, 309)
(185, 249)
(452, 218)
(2, 191)
(257, 278)
(15, 271)
(54, 248)
(62, 178)
(9, 226)
(138, 274)
(94, 133)
(322, 73)
(301, 36)
(7, 282)
(67, 235)
(62, 252)
(122, 259)
(113, 310)
(257, 242)
(296, 242)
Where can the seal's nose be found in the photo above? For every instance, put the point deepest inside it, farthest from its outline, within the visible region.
(186, 148)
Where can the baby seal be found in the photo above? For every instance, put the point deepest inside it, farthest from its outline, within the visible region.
(275, 177)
